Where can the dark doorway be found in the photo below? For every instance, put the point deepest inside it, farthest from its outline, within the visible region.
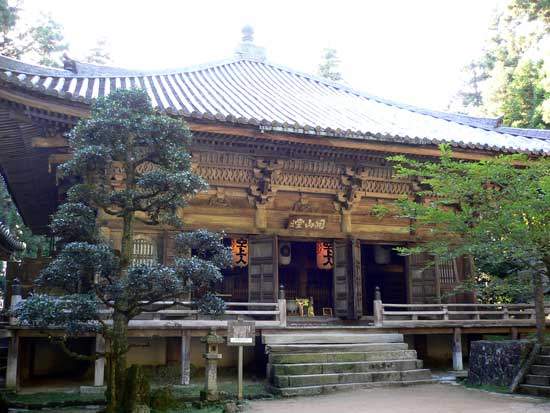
(382, 267)
(301, 277)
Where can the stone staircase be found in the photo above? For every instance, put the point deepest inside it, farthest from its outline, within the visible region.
(537, 381)
(308, 362)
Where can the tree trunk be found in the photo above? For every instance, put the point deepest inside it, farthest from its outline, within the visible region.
(117, 367)
(119, 342)
(538, 285)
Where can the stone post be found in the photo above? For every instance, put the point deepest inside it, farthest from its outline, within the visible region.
(377, 309)
(457, 350)
(99, 367)
(185, 357)
(212, 340)
(12, 363)
(16, 298)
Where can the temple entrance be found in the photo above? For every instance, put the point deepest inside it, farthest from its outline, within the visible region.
(301, 277)
(382, 267)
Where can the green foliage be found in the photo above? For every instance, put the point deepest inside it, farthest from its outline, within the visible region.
(8, 20)
(496, 210)
(163, 399)
(137, 388)
(494, 288)
(10, 216)
(510, 79)
(328, 68)
(99, 54)
(44, 42)
(132, 164)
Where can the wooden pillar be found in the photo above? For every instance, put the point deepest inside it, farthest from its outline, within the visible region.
(346, 221)
(514, 333)
(457, 350)
(99, 367)
(261, 216)
(185, 357)
(12, 368)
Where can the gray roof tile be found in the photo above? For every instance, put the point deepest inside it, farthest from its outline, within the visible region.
(248, 91)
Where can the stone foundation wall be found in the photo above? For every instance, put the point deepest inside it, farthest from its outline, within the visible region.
(497, 362)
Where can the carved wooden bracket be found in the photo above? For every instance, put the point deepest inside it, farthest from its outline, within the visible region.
(351, 191)
(262, 193)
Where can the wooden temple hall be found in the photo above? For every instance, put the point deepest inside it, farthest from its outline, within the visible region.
(295, 164)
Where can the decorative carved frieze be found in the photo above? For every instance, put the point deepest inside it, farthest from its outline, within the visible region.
(303, 205)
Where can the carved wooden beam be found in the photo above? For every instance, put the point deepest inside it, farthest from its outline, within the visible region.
(53, 142)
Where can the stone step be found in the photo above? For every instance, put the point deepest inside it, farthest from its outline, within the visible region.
(540, 370)
(343, 368)
(314, 390)
(333, 338)
(545, 351)
(534, 390)
(302, 358)
(537, 380)
(544, 360)
(346, 378)
(332, 348)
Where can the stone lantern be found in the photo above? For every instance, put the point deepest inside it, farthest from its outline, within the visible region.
(211, 355)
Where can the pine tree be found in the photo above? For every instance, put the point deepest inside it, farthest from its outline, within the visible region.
(125, 133)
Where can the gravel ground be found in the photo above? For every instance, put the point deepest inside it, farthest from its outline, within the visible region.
(431, 398)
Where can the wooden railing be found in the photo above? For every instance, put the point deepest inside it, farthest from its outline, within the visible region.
(182, 314)
(410, 315)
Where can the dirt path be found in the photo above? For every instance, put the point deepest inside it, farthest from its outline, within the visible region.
(432, 398)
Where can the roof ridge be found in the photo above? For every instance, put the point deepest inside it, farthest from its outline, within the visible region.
(16, 65)
(475, 121)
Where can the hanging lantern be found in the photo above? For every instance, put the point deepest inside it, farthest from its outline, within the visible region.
(382, 254)
(325, 255)
(285, 253)
(239, 251)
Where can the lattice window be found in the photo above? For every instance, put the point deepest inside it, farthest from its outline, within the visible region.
(448, 272)
(145, 250)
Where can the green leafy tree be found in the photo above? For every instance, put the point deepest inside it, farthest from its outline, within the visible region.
(10, 216)
(99, 53)
(328, 68)
(508, 80)
(496, 210)
(44, 42)
(125, 133)
(8, 19)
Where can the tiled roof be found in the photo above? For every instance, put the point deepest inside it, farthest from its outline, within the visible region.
(254, 92)
(8, 240)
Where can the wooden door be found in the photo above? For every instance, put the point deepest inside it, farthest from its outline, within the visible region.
(341, 278)
(263, 269)
(423, 280)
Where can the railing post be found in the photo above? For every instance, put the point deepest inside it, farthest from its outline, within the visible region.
(378, 308)
(16, 298)
(445, 312)
(457, 350)
(282, 306)
(505, 314)
(99, 365)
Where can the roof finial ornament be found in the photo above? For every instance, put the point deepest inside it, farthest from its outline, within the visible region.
(248, 33)
(68, 63)
(247, 50)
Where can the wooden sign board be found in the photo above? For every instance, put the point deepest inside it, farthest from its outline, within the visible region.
(241, 333)
(305, 222)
